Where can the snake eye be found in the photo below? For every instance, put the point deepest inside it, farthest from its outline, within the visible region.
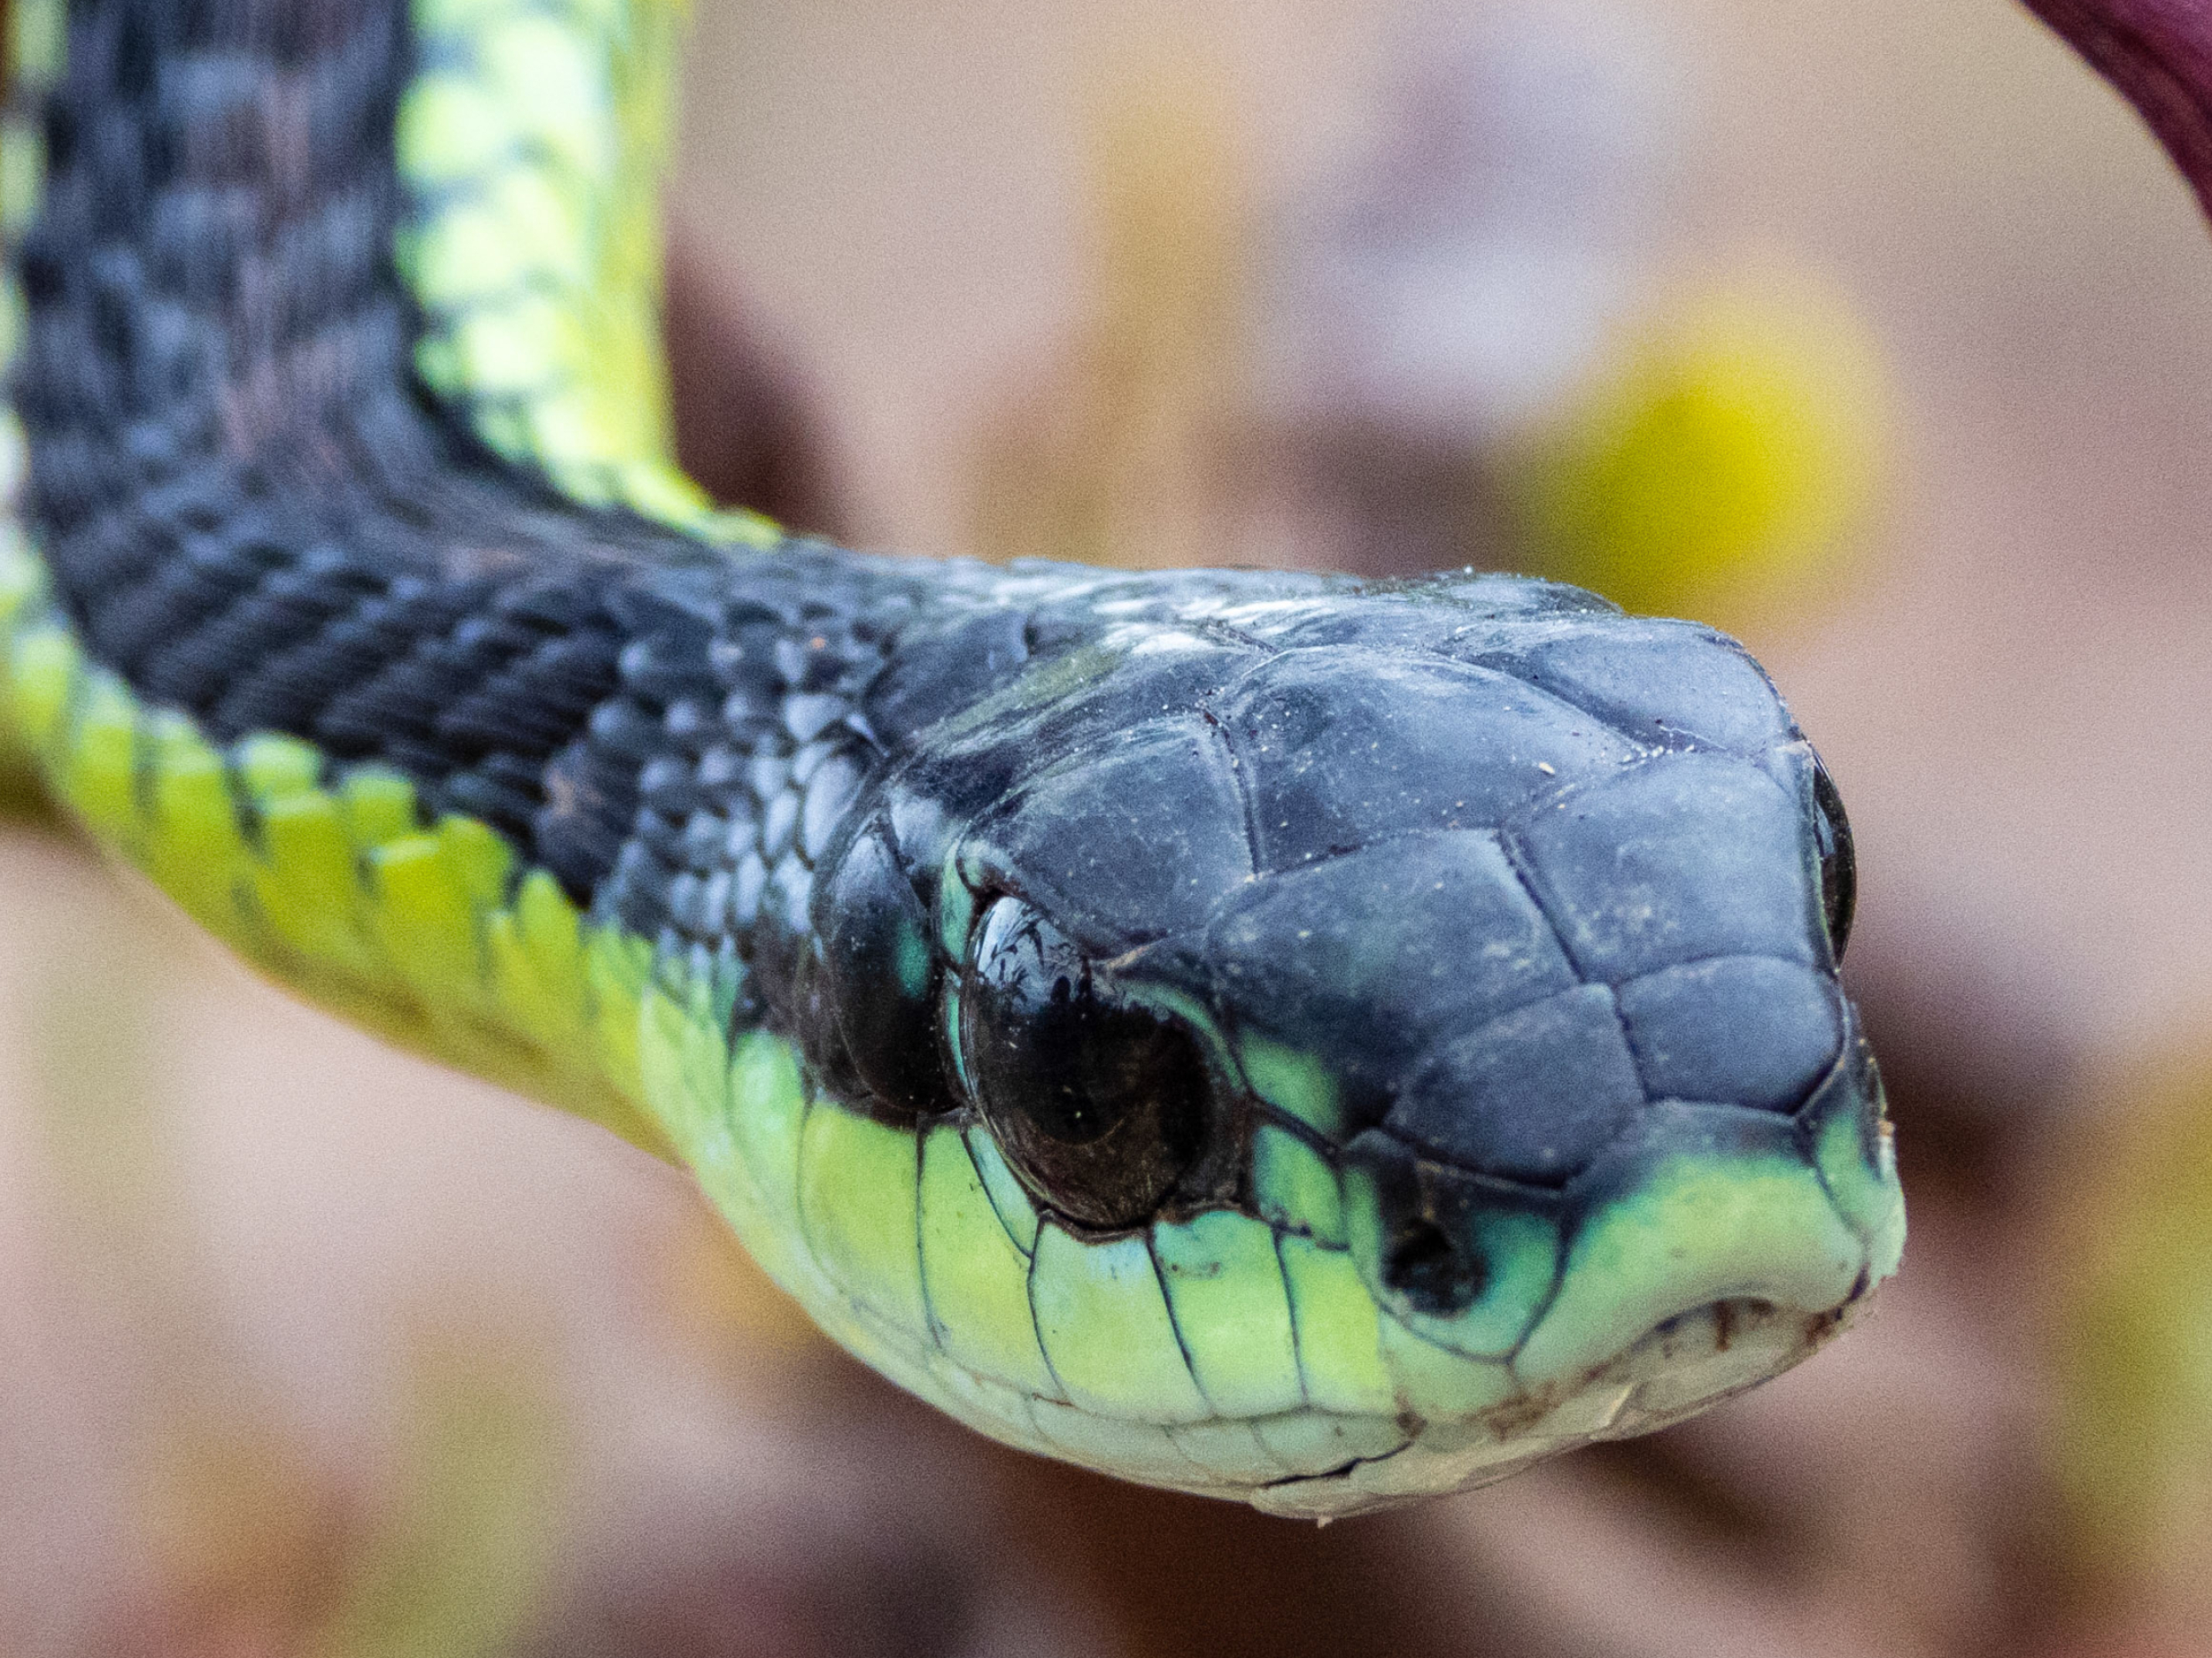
(1099, 1106)
(881, 974)
(1839, 875)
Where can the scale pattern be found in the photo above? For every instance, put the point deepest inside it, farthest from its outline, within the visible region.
(248, 518)
(251, 517)
(356, 601)
(531, 139)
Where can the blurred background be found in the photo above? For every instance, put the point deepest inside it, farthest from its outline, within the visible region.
(1878, 334)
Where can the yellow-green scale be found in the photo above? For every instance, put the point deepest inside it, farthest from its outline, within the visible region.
(1696, 1219)
(331, 880)
(536, 139)
(1224, 1350)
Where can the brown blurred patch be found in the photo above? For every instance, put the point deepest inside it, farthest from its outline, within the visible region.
(743, 427)
(1189, 1574)
(1135, 447)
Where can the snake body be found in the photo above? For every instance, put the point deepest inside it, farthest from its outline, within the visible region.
(1274, 1036)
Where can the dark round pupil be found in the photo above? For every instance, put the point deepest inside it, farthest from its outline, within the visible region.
(1098, 1105)
(1839, 877)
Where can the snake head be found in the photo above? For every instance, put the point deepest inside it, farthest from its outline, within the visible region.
(1396, 1032)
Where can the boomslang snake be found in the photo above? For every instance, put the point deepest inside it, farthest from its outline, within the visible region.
(1288, 1037)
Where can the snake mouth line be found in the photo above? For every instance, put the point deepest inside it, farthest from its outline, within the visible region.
(1697, 1358)
(1680, 1366)
(1677, 1368)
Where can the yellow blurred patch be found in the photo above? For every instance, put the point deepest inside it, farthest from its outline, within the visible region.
(2130, 1329)
(1720, 462)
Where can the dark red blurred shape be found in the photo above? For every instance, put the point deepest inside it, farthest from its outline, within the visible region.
(2158, 54)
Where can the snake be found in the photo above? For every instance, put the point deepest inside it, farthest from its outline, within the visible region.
(1299, 1039)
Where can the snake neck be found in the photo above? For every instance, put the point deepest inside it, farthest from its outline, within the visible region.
(255, 523)
(253, 511)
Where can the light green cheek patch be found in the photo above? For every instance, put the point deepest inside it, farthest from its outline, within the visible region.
(1700, 1228)
(1440, 1386)
(1295, 1187)
(1867, 1194)
(976, 1281)
(1107, 1331)
(1339, 1332)
(856, 1206)
(1225, 1286)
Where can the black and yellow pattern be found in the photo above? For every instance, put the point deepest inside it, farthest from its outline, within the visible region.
(1263, 1035)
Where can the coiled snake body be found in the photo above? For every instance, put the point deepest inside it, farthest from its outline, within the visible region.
(1281, 1037)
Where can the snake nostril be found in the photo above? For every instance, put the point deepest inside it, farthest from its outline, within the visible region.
(1435, 1274)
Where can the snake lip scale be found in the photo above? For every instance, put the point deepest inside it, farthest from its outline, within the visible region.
(1282, 1037)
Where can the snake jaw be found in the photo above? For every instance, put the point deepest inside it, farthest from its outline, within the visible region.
(1522, 1110)
(1710, 1252)
(1680, 1367)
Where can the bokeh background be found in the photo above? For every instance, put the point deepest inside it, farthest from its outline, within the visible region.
(1879, 334)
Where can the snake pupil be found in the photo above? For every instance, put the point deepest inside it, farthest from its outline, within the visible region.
(1839, 878)
(1099, 1106)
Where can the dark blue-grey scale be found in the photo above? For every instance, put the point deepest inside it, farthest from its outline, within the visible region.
(1513, 899)
(1504, 862)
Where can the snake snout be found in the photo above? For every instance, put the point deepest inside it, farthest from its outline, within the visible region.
(1689, 1248)
(1792, 1211)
